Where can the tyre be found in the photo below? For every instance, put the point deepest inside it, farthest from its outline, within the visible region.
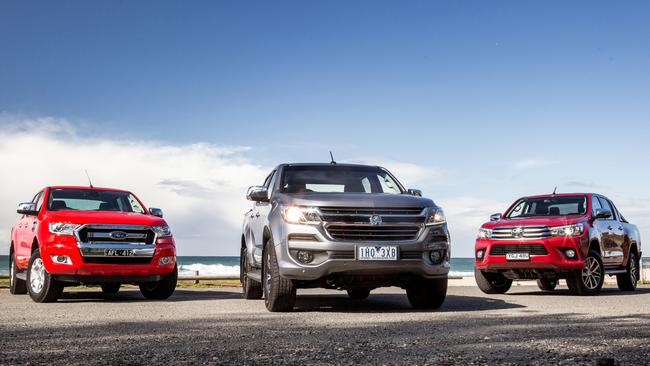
(251, 289)
(162, 289)
(359, 293)
(492, 283)
(111, 288)
(16, 285)
(628, 280)
(589, 280)
(427, 293)
(546, 285)
(42, 287)
(279, 292)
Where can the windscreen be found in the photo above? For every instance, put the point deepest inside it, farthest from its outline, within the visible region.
(338, 179)
(549, 206)
(92, 200)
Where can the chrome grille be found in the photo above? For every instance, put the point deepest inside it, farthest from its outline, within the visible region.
(414, 215)
(105, 234)
(373, 233)
(520, 232)
(533, 249)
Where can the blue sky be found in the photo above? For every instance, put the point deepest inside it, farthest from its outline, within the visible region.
(476, 103)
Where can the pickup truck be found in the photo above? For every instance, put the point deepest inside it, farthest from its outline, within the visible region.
(341, 226)
(84, 235)
(580, 237)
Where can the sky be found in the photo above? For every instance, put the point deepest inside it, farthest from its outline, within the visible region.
(187, 104)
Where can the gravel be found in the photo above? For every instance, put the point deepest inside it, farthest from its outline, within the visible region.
(215, 326)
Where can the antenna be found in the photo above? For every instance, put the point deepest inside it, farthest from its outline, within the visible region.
(88, 176)
(332, 157)
(555, 189)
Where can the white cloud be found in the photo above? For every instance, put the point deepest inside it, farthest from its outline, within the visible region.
(200, 186)
(409, 174)
(532, 163)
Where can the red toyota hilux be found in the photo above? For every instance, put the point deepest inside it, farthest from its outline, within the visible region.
(577, 237)
(72, 235)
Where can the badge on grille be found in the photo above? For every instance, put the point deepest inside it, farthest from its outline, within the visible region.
(375, 220)
(518, 232)
(117, 235)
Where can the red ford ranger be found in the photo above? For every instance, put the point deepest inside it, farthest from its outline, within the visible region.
(72, 235)
(576, 237)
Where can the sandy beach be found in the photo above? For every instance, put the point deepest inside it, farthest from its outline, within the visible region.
(215, 326)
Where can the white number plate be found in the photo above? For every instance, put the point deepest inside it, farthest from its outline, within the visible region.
(517, 256)
(377, 253)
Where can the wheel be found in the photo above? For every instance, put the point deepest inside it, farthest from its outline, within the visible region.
(162, 289)
(16, 285)
(427, 293)
(492, 283)
(589, 280)
(279, 292)
(627, 281)
(359, 293)
(111, 288)
(251, 289)
(546, 285)
(42, 286)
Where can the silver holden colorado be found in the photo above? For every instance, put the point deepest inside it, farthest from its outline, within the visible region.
(342, 226)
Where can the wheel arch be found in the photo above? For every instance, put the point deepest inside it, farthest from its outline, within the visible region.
(34, 246)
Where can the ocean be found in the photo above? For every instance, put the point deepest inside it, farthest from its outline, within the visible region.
(220, 265)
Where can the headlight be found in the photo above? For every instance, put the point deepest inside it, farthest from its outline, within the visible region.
(162, 231)
(567, 230)
(436, 216)
(63, 228)
(300, 215)
(484, 233)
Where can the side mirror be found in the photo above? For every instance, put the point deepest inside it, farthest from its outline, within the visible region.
(27, 208)
(602, 213)
(495, 217)
(258, 194)
(156, 212)
(414, 192)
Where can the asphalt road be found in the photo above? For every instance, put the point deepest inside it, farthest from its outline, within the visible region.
(215, 326)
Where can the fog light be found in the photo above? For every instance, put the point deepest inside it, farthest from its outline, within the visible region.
(165, 260)
(436, 256)
(304, 256)
(570, 253)
(480, 254)
(61, 259)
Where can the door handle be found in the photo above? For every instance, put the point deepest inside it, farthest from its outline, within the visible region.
(620, 228)
(610, 227)
(257, 214)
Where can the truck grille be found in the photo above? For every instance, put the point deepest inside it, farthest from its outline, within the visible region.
(373, 233)
(520, 232)
(533, 249)
(116, 234)
(362, 215)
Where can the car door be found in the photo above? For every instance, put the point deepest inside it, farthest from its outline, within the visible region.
(617, 235)
(612, 253)
(27, 226)
(259, 218)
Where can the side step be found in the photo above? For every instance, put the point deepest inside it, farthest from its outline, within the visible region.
(615, 271)
(255, 276)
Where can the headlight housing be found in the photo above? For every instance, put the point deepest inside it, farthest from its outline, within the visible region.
(484, 233)
(63, 228)
(436, 216)
(300, 215)
(567, 230)
(162, 231)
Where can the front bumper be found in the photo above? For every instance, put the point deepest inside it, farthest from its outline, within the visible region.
(146, 262)
(554, 260)
(333, 257)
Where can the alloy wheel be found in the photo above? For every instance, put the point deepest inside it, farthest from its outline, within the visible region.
(268, 280)
(633, 269)
(37, 276)
(12, 271)
(591, 273)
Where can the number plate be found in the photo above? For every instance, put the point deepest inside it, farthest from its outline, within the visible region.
(119, 252)
(517, 256)
(377, 253)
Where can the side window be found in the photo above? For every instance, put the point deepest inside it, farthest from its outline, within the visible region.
(267, 181)
(272, 182)
(618, 213)
(606, 206)
(595, 204)
(38, 199)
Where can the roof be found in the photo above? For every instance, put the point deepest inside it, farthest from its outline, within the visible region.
(558, 195)
(330, 164)
(87, 187)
